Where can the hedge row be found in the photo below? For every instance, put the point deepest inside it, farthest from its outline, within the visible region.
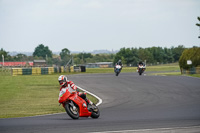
(192, 54)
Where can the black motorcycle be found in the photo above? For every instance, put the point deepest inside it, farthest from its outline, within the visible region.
(141, 69)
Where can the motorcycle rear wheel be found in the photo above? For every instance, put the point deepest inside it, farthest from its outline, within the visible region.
(72, 111)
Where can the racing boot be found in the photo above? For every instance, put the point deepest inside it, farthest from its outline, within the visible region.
(91, 106)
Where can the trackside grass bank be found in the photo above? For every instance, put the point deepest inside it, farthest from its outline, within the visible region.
(22, 96)
(168, 67)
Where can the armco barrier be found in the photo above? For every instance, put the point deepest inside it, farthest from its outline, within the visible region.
(193, 70)
(198, 70)
(55, 69)
(5, 71)
(72, 69)
(44, 70)
(26, 71)
(50, 70)
(16, 71)
(36, 71)
(62, 69)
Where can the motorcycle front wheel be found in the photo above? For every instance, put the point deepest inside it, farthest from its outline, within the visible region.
(95, 112)
(117, 73)
(72, 110)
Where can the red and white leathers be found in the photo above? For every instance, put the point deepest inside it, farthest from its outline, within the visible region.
(71, 85)
(72, 88)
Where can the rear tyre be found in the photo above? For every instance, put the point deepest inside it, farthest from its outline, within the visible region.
(72, 111)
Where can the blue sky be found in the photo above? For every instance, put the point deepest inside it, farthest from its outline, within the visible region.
(87, 25)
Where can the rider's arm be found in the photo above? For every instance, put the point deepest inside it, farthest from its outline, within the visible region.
(73, 86)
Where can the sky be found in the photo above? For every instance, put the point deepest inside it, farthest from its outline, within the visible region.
(87, 25)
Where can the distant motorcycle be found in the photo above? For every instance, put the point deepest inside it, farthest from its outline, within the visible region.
(77, 107)
(117, 69)
(141, 69)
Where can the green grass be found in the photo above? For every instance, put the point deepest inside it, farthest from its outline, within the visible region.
(22, 96)
(173, 67)
(167, 73)
(194, 75)
(167, 67)
(175, 74)
(109, 70)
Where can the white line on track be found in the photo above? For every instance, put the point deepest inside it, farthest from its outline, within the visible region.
(192, 129)
(99, 99)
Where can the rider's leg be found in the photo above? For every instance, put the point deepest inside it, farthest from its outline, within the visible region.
(83, 96)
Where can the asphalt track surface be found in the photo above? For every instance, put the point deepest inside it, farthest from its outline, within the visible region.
(131, 103)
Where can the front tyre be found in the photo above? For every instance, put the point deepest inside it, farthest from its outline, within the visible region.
(117, 73)
(95, 112)
(72, 110)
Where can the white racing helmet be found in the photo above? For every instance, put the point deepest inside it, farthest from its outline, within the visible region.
(62, 79)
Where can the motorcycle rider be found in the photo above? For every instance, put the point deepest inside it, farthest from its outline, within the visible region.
(119, 63)
(140, 63)
(72, 88)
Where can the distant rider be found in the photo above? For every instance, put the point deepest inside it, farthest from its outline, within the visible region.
(141, 64)
(72, 88)
(119, 63)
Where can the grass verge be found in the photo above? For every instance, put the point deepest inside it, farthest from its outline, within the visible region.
(22, 96)
(169, 67)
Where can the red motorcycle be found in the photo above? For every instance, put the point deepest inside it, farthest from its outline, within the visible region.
(75, 106)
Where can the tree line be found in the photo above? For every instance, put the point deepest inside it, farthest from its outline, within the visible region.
(65, 57)
(129, 56)
(152, 55)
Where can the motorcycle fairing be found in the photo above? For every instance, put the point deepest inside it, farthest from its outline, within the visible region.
(65, 96)
(83, 111)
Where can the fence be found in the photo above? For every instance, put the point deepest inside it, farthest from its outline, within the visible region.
(40, 70)
(193, 70)
(5, 71)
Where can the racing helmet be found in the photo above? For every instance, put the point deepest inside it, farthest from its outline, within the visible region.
(62, 79)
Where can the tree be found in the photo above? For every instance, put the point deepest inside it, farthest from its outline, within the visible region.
(177, 52)
(190, 54)
(84, 56)
(168, 57)
(128, 56)
(144, 54)
(65, 56)
(7, 57)
(65, 53)
(42, 51)
(20, 57)
(198, 24)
